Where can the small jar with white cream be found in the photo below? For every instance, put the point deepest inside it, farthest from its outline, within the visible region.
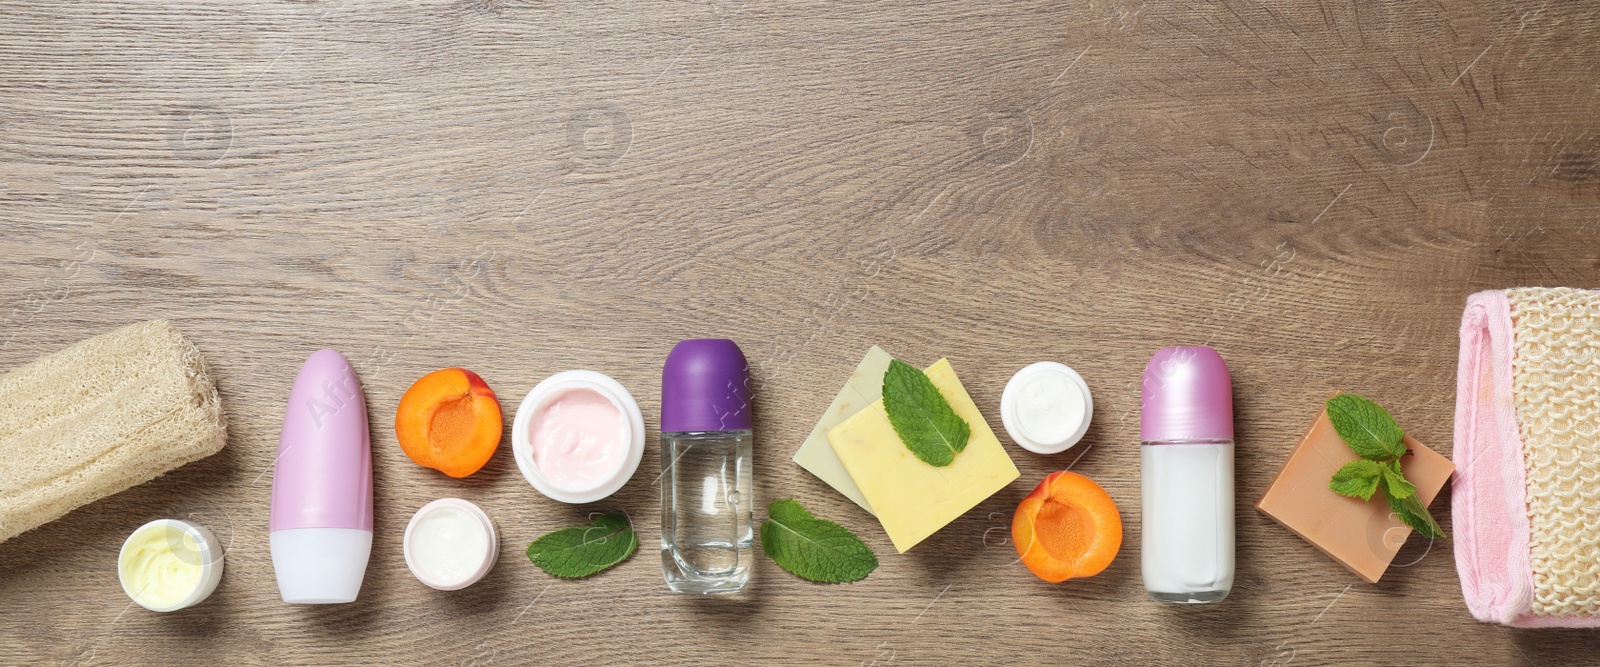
(170, 564)
(1046, 407)
(450, 544)
(578, 436)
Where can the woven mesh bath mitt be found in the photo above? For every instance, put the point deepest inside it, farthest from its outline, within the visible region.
(1526, 498)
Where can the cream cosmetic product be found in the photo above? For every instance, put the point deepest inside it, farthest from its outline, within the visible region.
(578, 436)
(1186, 468)
(168, 564)
(1046, 407)
(321, 521)
(450, 544)
(707, 497)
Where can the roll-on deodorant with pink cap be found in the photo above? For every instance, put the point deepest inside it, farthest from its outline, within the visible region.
(321, 522)
(1186, 466)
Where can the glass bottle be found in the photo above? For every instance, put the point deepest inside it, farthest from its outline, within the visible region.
(707, 499)
(1186, 469)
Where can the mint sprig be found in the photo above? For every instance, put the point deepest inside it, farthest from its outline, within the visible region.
(813, 548)
(580, 551)
(921, 416)
(1375, 436)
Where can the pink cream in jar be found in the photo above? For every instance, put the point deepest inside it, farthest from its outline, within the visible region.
(578, 436)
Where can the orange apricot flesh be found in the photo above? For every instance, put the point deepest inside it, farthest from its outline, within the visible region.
(1067, 528)
(449, 421)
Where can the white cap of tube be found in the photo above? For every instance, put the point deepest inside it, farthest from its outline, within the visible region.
(1046, 407)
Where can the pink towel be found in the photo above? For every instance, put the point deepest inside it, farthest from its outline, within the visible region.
(1490, 495)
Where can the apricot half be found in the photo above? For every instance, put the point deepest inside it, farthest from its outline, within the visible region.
(1067, 528)
(449, 421)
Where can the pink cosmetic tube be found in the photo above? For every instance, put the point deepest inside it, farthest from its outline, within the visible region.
(321, 523)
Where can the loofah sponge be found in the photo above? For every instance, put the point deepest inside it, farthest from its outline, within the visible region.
(1556, 391)
(104, 415)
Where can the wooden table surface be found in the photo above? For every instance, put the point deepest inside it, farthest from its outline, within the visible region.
(525, 187)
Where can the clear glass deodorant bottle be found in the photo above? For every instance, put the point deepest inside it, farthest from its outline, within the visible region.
(707, 503)
(1186, 469)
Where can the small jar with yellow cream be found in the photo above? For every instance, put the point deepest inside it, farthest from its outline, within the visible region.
(169, 564)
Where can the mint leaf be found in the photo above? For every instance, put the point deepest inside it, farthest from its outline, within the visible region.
(1374, 436)
(812, 548)
(580, 551)
(1394, 481)
(925, 422)
(1367, 428)
(1411, 511)
(1357, 479)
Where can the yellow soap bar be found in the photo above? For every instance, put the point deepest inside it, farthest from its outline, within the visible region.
(864, 387)
(911, 498)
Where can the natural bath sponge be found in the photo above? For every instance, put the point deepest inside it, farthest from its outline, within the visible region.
(106, 414)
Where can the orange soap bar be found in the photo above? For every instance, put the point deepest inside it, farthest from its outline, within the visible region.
(1362, 535)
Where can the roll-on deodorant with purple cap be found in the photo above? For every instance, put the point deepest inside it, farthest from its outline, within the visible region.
(321, 522)
(1186, 465)
(707, 503)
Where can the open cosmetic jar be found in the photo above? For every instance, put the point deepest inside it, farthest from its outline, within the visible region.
(169, 564)
(450, 544)
(578, 436)
(1046, 407)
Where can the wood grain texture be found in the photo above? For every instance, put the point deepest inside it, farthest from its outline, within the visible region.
(525, 187)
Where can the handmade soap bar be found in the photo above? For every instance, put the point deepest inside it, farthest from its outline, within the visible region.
(1362, 535)
(911, 498)
(815, 454)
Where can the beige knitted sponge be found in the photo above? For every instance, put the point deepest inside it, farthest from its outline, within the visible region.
(106, 414)
(1556, 389)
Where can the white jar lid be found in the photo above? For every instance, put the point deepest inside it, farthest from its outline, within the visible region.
(633, 436)
(415, 551)
(191, 543)
(1046, 407)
